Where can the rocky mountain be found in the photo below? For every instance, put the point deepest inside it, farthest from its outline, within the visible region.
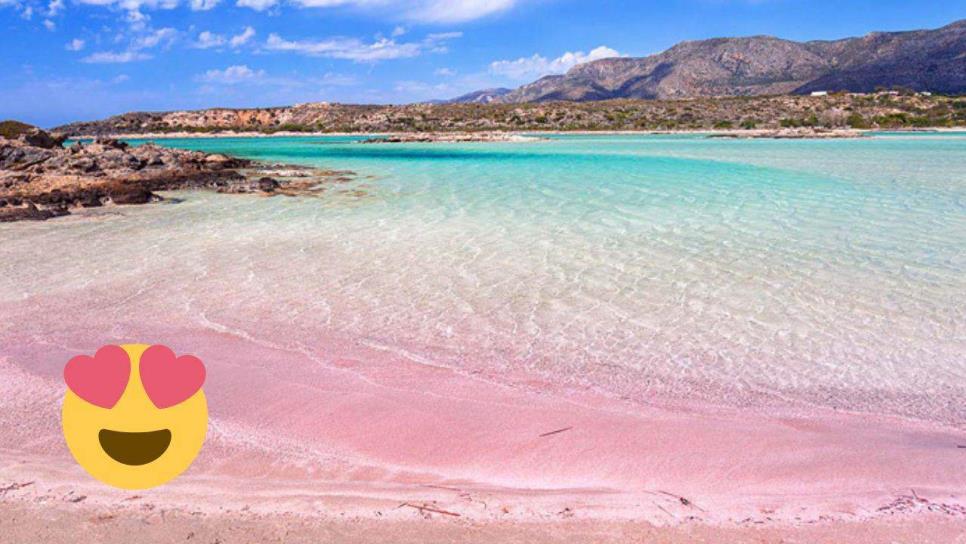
(484, 96)
(921, 60)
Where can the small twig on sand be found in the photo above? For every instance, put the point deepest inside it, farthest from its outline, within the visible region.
(961, 446)
(682, 500)
(556, 432)
(665, 511)
(431, 486)
(424, 508)
(15, 486)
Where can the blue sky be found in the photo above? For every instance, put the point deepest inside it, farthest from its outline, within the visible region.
(67, 60)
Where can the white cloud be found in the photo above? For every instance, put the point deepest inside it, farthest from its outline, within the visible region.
(538, 66)
(257, 5)
(398, 31)
(54, 7)
(445, 72)
(203, 5)
(132, 9)
(241, 75)
(443, 36)
(243, 38)
(424, 11)
(359, 51)
(346, 48)
(27, 12)
(120, 78)
(163, 37)
(131, 5)
(238, 73)
(75, 45)
(49, 25)
(109, 57)
(137, 20)
(207, 40)
(455, 11)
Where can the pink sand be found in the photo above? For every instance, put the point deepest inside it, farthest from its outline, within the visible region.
(358, 431)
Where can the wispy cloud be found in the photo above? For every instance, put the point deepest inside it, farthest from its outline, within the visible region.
(75, 45)
(208, 39)
(241, 75)
(454, 11)
(345, 48)
(110, 57)
(203, 5)
(537, 65)
(162, 37)
(257, 5)
(231, 75)
(243, 38)
(355, 49)
(424, 11)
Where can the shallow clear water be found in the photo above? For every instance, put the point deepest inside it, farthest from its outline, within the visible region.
(736, 271)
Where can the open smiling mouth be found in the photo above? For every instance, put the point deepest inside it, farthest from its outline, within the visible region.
(134, 448)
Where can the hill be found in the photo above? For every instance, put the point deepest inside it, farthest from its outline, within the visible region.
(921, 60)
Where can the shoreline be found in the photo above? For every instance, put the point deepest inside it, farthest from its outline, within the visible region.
(695, 132)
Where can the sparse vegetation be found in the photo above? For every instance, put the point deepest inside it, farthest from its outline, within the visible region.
(13, 129)
(839, 110)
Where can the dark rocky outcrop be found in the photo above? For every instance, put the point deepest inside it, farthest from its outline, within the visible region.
(39, 182)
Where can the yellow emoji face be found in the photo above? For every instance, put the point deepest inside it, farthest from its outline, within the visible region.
(134, 416)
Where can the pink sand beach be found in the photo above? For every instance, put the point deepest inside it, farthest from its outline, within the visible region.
(428, 360)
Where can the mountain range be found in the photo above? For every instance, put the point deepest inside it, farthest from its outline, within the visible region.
(920, 60)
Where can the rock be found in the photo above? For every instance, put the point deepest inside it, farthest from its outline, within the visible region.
(89, 198)
(30, 212)
(130, 194)
(217, 158)
(267, 185)
(83, 164)
(39, 182)
(17, 155)
(38, 138)
(111, 143)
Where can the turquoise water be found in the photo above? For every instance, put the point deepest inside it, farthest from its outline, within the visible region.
(830, 272)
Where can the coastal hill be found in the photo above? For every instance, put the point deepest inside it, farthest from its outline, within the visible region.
(921, 60)
(893, 110)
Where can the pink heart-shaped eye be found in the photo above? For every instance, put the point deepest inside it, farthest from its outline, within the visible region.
(101, 379)
(170, 380)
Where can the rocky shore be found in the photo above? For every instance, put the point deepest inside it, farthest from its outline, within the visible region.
(41, 179)
(450, 137)
(790, 133)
